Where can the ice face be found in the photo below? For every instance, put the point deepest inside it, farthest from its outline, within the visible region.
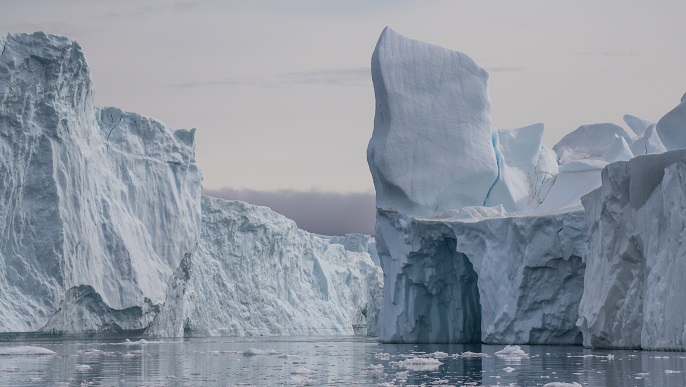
(672, 128)
(485, 277)
(256, 273)
(637, 125)
(598, 142)
(102, 228)
(527, 168)
(635, 266)
(421, 88)
(83, 203)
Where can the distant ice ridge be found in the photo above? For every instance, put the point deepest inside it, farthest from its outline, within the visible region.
(480, 232)
(256, 273)
(104, 229)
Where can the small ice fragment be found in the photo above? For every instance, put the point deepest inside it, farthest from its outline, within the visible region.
(561, 384)
(258, 352)
(26, 350)
(469, 354)
(402, 376)
(418, 364)
(436, 355)
(511, 351)
(382, 356)
(673, 372)
(303, 371)
(82, 367)
(508, 369)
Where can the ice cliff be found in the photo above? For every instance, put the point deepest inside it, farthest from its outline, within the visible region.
(104, 228)
(95, 197)
(481, 233)
(256, 273)
(637, 258)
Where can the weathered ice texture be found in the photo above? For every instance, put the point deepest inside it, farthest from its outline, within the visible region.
(432, 147)
(256, 273)
(101, 225)
(498, 279)
(96, 198)
(636, 263)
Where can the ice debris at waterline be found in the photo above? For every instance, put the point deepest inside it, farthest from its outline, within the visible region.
(481, 233)
(104, 228)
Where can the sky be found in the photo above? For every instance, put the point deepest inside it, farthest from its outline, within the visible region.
(280, 90)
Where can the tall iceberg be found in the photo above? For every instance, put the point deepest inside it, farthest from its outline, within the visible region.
(97, 197)
(104, 228)
(463, 258)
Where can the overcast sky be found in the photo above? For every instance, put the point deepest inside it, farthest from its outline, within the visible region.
(280, 90)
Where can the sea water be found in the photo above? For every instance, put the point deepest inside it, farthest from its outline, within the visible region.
(326, 361)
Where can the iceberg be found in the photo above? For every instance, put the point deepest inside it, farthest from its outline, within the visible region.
(501, 260)
(95, 197)
(635, 263)
(105, 229)
(579, 244)
(256, 273)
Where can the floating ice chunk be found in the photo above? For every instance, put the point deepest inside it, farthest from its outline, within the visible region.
(508, 369)
(561, 384)
(382, 356)
(260, 352)
(469, 354)
(418, 364)
(637, 125)
(402, 376)
(26, 350)
(303, 371)
(82, 367)
(435, 355)
(673, 372)
(511, 351)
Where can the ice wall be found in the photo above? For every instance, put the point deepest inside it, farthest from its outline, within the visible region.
(256, 273)
(637, 260)
(482, 276)
(87, 194)
(101, 227)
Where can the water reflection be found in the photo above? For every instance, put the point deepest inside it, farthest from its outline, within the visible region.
(329, 361)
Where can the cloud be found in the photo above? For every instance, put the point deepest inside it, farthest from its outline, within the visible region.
(327, 213)
(497, 69)
(355, 76)
(607, 53)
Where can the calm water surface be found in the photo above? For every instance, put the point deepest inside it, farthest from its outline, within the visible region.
(327, 361)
